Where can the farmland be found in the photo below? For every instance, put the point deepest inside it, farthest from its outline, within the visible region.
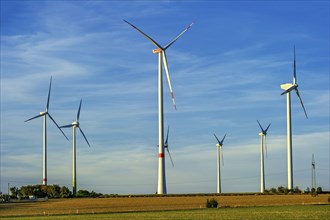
(184, 206)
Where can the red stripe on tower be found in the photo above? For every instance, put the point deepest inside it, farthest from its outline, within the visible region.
(161, 155)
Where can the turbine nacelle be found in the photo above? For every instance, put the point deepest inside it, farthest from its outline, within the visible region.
(288, 87)
(157, 51)
(218, 145)
(43, 113)
(75, 124)
(262, 134)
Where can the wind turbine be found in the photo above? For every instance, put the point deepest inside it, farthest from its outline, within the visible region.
(219, 151)
(313, 174)
(75, 124)
(44, 141)
(161, 58)
(288, 87)
(263, 146)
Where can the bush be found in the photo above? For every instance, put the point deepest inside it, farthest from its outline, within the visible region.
(213, 203)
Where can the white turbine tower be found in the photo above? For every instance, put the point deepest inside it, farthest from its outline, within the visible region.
(263, 147)
(219, 151)
(288, 87)
(75, 124)
(161, 58)
(44, 142)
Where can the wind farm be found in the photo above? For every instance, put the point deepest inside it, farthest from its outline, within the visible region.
(137, 147)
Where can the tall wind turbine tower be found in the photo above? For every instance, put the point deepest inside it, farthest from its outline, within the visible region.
(44, 135)
(219, 152)
(161, 59)
(288, 87)
(263, 146)
(75, 124)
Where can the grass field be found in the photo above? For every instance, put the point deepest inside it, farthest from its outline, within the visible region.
(301, 212)
(192, 207)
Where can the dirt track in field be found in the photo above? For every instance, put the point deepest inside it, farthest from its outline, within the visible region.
(126, 204)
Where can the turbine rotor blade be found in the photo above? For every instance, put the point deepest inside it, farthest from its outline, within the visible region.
(265, 146)
(168, 78)
(222, 161)
(221, 142)
(260, 127)
(50, 86)
(267, 128)
(216, 138)
(301, 102)
(78, 114)
(33, 118)
(289, 90)
(84, 136)
(170, 156)
(57, 125)
(144, 34)
(294, 67)
(168, 130)
(66, 126)
(176, 38)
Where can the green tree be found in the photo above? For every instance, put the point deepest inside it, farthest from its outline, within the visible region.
(313, 190)
(296, 190)
(27, 191)
(282, 189)
(53, 191)
(307, 190)
(65, 192)
(272, 190)
(319, 190)
(14, 191)
(39, 191)
(83, 193)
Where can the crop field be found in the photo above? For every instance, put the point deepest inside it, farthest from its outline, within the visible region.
(173, 207)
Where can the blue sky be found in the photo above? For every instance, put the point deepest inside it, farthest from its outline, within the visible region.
(226, 73)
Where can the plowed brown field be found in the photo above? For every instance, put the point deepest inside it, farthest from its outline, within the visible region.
(126, 204)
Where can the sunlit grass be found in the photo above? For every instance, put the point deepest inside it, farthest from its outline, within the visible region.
(253, 213)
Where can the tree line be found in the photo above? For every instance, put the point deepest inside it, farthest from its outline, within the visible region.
(282, 189)
(56, 191)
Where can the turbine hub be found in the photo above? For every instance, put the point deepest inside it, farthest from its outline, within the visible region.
(43, 113)
(218, 145)
(75, 124)
(158, 50)
(261, 134)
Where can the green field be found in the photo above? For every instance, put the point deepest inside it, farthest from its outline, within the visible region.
(253, 213)
(250, 206)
